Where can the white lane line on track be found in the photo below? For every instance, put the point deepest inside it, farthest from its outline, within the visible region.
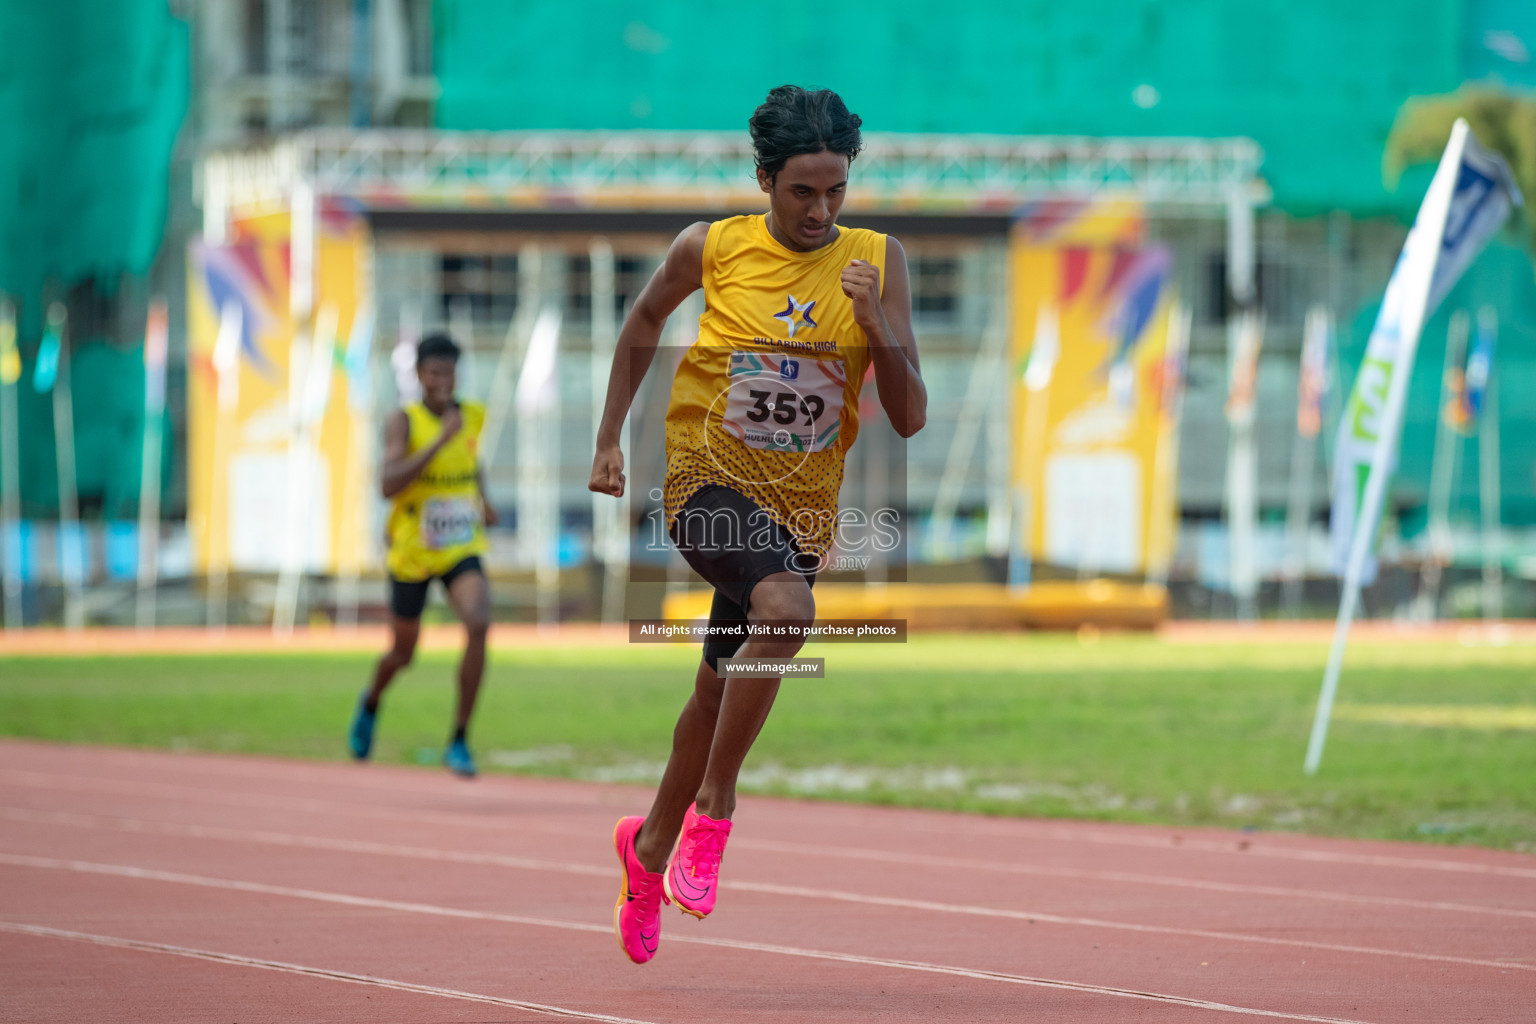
(1125, 926)
(171, 791)
(1127, 877)
(306, 842)
(961, 826)
(852, 853)
(235, 959)
(383, 780)
(815, 895)
(146, 874)
(1247, 847)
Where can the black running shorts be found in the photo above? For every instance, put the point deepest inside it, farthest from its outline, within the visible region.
(406, 600)
(729, 540)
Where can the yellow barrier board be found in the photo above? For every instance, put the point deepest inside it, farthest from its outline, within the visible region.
(1044, 605)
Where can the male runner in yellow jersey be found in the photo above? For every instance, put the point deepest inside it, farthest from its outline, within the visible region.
(764, 408)
(436, 530)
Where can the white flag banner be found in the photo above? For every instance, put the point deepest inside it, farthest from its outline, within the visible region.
(1468, 200)
(322, 363)
(1242, 390)
(537, 384)
(359, 349)
(402, 358)
(1470, 196)
(1045, 350)
(226, 354)
(1312, 388)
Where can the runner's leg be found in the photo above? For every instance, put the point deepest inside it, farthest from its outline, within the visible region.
(402, 649)
(406, 600)
(470, 596)
(782, 598)
(721, 720)
(691, 741)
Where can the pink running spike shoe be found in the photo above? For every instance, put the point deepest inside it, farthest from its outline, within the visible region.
(637, 915)
(693, 874)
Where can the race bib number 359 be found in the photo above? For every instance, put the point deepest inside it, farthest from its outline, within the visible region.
(448, 522)
(785, 403)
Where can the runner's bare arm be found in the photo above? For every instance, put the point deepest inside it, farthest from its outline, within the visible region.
(400, 467)
(679, 275)
(886, 317)
(489, 515)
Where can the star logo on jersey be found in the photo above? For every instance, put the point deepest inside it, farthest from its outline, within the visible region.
(800, 310)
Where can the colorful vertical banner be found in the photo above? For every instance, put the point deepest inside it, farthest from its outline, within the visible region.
(46, 370)
(1468, 200)
(1451, 228)
(1312, 389)
(538, 383)
(239, 294)
(355, 361)
(10, 356)
(318, 379)
(226, 356)
(157, 331)
(1469, 386)
(10, 479)
(1091, 307)
(1163, 514)
(1242, 485)
(1242, 388)
(156, 341)
(402, 358)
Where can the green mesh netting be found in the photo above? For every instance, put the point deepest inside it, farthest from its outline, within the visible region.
(92, 94)
(108, 383)
(1316, 82)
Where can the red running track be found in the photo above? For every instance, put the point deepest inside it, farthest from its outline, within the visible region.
(143, 886)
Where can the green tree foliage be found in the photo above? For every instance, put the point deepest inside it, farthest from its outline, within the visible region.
(1503, 121)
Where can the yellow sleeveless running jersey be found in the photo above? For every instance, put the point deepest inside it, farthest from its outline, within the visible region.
(766, 401)
(436, 521)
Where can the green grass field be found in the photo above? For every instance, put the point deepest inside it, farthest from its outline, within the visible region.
(1435, 742)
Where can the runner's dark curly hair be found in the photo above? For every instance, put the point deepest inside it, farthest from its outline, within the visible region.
(437, 345)
(792, 121)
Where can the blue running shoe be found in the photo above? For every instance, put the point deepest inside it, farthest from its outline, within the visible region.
(459, 760)
(360, 735)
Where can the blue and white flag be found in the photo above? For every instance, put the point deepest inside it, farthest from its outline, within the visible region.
(1479, 367)
(1469, 199)
(156, 344)
(322, 366)
(49, 351)
(359, 349)
(1316, 346)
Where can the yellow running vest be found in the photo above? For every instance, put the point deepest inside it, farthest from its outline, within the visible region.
(436, 521)
(766, 401)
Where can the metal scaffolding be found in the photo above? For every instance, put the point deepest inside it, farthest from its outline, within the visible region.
(643, 170)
